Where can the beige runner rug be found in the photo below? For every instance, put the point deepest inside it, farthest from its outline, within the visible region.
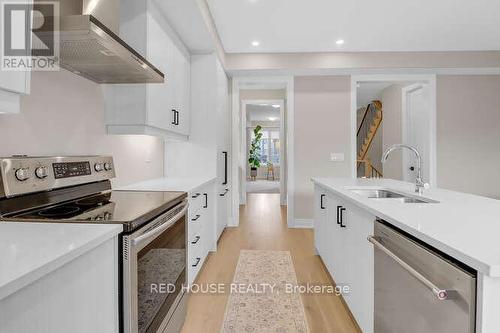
(260, 300)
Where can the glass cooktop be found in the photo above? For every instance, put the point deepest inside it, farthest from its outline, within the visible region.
(130, 208)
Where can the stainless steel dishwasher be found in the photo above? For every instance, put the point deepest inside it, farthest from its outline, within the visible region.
(418, 289)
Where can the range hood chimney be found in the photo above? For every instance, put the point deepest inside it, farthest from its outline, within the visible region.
(90, 46)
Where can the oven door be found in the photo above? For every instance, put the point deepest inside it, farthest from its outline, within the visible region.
(154, 271)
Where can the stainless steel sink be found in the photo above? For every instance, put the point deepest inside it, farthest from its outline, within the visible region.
(387, 195)
(377, 193)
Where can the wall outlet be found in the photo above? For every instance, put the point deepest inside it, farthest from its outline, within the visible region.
(337, 157)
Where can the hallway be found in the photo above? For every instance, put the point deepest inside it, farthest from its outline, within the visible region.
(263, 227)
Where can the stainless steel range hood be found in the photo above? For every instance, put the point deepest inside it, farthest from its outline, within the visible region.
(90, 45)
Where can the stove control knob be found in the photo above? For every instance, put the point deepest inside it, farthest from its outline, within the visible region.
(22, 174)
(98, 167)
(107, 166)
(41, 172)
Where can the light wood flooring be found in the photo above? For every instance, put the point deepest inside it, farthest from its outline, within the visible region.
(263, 227)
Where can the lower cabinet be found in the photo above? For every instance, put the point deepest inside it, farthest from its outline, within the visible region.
(201, 233)
(341, 230)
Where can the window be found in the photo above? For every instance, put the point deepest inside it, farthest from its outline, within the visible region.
(269, 146)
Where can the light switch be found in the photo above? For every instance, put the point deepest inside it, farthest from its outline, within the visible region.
(337, 157)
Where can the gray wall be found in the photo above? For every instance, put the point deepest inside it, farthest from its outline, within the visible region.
(322, 126)
(468, 134)
(64, 115)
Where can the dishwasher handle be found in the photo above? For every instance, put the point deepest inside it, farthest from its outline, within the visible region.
(441, 294)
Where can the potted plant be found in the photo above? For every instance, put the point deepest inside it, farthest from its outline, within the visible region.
(254, 153)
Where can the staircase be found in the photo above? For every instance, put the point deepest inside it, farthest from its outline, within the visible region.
(372, 119)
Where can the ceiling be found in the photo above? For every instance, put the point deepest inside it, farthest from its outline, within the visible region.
(364, 25)
(187, 21)
(256, 112)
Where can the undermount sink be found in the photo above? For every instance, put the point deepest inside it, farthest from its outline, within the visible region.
(376, 193)
(390, 196)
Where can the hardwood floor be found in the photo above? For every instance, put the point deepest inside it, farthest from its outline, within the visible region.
(263, 227)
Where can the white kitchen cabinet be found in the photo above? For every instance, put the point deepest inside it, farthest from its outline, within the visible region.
(80, 296)
(160, 109)
(341, 231)
(201, 228)
(320, 216)
(207, 153)
(13, 84)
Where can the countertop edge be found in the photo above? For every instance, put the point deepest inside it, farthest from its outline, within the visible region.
(22, 281)
(140, 186)
(481, 267)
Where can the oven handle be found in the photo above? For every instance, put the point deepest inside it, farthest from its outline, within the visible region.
(157, 231)
(441, 294)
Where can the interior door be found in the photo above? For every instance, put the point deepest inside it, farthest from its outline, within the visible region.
(416, 129)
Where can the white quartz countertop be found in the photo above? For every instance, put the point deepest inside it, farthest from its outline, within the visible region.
(464, 226)
(29, 251)
(168, 184)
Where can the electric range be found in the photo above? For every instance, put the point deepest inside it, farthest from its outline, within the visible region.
(77, 189)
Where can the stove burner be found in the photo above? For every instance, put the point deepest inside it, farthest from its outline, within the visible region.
(59, 211)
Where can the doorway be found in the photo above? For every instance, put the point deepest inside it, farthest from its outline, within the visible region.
(257, 101)
(263, 146)
(392, 109)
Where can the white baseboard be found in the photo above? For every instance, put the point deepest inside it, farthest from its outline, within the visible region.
(303, 223)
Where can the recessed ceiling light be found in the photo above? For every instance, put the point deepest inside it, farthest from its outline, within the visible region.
(272, 118)
(255, 43)
(276, 106)
(339, 42)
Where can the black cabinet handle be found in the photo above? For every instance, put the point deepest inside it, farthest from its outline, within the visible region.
(225, 167)
(197, 240)
(342, 218)
(174, 114)
(197, 262)
(206, 200)
(225, 192)
(321, 201)
(338, 214)
(176, 117)
(196, 195)
(196, 218)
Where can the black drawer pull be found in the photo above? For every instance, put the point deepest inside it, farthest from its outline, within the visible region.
(196, 195)
(197, 262)
(197, 240)
(338, 214)
(206, 200)
(321, 204)
(196, 217)
(225, 192)
(342, 218)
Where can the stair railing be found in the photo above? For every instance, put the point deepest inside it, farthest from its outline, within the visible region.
(364, 126)
(369, 170)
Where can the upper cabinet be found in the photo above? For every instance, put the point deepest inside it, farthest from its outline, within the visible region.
(13, 84)
(160, 109)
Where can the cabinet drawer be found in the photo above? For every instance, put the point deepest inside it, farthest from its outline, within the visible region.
(196, 201)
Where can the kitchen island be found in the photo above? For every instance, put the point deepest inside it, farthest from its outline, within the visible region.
(463, 226)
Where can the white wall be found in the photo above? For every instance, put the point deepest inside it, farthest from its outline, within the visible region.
(64, 115)
(468, 134)
(322, 126)
(392, 133)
